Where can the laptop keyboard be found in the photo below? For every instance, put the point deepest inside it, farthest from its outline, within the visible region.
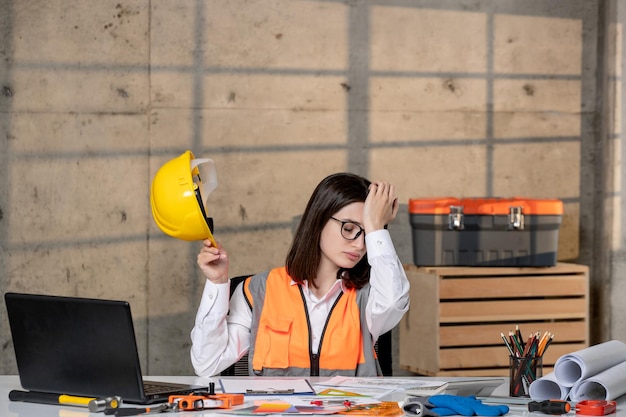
(156, 388)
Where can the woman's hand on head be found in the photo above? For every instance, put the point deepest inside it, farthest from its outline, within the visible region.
(381, 206)
(213, 261)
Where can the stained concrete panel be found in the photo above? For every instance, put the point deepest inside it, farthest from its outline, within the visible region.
(79, 56)
(250, 91)
(77, 199)
(78, 90)
(536, 125)
(269, 91)
(114, 269)
(431, 94)
(250, 34)
(616, 127)
(615, 198)
(552, 174)
(617, 222)
(537, 45)
(76, 178)
(560, 96)
(173, 89)
(176, 28)
(74, 135)
(545, 124)
(616, 300)
(410, 126)
(432, 171)
(414, 38)
(262, 128)
(81, 32)
(270, 128)
(277, 34)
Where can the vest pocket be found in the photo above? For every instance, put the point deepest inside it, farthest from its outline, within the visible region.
(274, 337)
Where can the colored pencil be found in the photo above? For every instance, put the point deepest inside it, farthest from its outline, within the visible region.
(507, 344)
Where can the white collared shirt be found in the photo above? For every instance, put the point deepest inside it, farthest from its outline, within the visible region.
(319, 309)
(220, 338)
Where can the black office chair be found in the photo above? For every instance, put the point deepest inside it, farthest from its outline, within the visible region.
(239, 368)
(382, 347)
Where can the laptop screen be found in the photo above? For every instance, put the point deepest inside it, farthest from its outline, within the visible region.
(75, 346)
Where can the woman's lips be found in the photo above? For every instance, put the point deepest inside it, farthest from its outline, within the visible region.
(353, 256)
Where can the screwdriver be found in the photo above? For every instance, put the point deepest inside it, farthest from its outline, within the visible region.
(549, 406)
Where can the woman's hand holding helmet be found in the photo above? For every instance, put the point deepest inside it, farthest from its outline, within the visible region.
(213, 261)
(381, 206)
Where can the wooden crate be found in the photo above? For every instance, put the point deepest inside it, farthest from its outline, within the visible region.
(457, 314)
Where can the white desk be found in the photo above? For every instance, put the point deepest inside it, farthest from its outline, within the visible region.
(18, 409)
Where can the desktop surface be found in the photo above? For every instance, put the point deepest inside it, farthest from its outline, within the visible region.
(19, 409)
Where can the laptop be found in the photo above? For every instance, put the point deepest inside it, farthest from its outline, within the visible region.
(81, 346)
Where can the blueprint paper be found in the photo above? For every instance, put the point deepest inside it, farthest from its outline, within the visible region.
(575, 367)
(607, 385)
(548, 388)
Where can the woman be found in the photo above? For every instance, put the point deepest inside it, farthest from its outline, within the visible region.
(341, 288)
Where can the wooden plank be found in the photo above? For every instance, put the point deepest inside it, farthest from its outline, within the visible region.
(503, 372)
(493, 357)
(513, 287)
(559, 268)
(512, 310)
(419, 327)
(489, 334)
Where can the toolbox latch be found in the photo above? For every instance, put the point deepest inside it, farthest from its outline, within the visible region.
(516, 218)
(455, 218)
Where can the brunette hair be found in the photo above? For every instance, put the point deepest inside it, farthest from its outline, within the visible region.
(331, 195)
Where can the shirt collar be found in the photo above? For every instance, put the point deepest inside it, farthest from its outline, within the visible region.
(305, 286)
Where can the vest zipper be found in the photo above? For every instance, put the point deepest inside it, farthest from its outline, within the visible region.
(330, 313)
(315, 358)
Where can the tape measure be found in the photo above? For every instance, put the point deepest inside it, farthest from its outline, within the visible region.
(595, 407)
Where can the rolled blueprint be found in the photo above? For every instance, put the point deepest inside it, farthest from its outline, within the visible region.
(574, 367)
(607, 385)
(548, 388)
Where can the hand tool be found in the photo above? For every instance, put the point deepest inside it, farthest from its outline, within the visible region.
(549, 406)
(595, 407)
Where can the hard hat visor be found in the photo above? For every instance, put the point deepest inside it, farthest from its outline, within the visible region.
(204, 176)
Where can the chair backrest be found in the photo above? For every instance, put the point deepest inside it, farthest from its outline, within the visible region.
(239, 368)
(383, 347)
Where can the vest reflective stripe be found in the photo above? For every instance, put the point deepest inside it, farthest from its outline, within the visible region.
(280, 331)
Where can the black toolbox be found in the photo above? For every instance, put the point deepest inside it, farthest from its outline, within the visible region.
(517, 231)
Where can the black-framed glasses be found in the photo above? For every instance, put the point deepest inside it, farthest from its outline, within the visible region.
(350, 230)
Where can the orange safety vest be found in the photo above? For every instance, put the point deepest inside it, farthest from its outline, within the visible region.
(280, 336)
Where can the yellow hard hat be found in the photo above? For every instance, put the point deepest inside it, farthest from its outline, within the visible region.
(178, 197)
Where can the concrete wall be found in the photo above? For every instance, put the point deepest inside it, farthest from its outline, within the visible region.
(443, 98)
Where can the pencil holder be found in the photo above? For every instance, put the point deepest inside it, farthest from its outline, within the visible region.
(522, 372)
